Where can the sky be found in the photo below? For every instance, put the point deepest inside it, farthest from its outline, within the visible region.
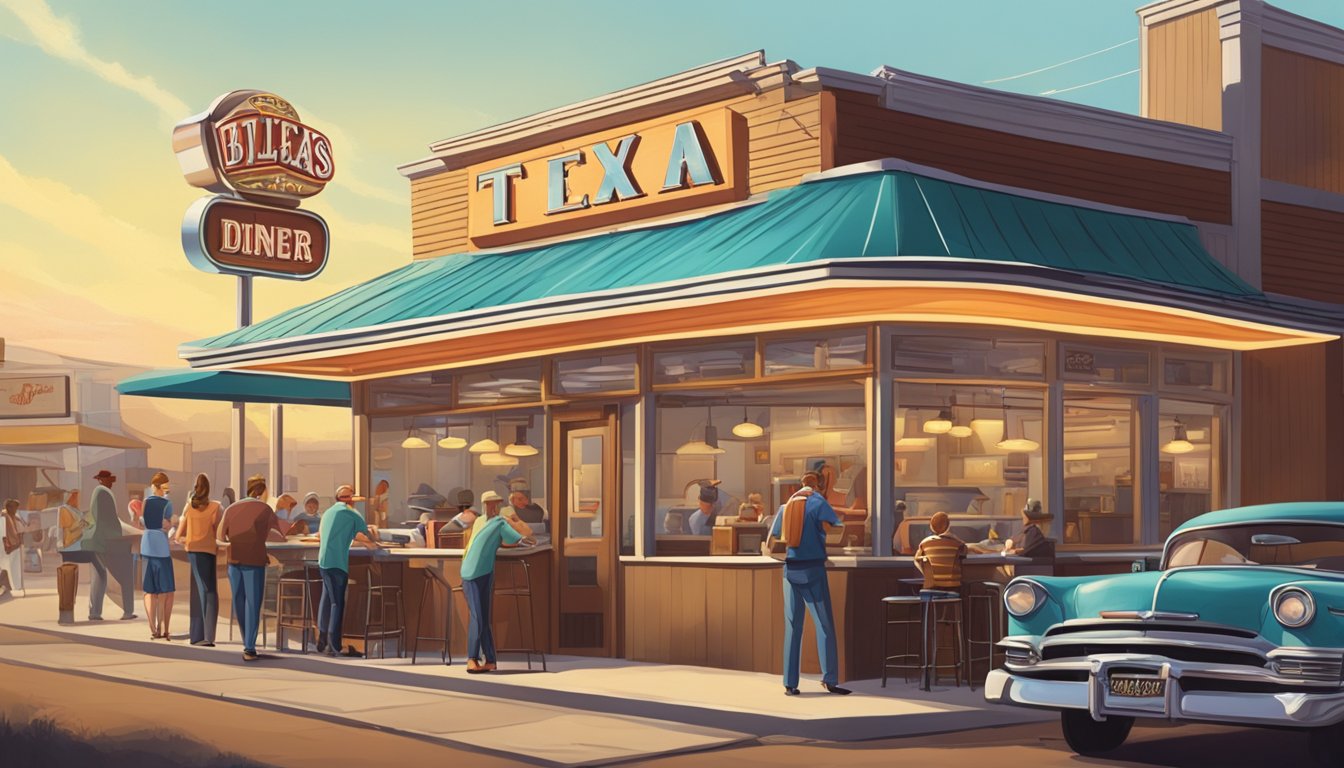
(91, 198)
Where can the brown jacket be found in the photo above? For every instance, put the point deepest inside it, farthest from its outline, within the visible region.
(939, 558)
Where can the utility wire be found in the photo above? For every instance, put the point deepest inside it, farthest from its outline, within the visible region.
(1054, 91)
(1062, 63)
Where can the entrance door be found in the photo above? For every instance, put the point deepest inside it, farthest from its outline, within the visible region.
(585, 536)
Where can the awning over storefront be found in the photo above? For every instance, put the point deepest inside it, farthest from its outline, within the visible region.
(237, 387)
(65, 436)
(878, 241)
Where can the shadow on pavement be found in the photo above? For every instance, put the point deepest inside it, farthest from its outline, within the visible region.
(42, 742)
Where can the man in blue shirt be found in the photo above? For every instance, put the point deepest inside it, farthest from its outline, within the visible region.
(339, 528)
(805, 583)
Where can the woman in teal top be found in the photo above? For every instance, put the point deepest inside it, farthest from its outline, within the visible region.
(488, 534)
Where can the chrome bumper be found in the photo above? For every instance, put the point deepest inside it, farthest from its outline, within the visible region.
(1024, 686)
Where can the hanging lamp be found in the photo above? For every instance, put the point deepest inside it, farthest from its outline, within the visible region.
(488, 445)
(519, 446)
(413, 441)
(451, 442)
(748, 430)
(1019, 444)
(912, 439)
(709, 446)
(961, 430)
(940, 425)
(1180, 441)
(498, 460)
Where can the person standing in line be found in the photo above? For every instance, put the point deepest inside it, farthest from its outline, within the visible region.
(244, 528)
(12, 572)
(489, 532)
(801, 524)
(199, 530)
(109, 542)
(75, 528)
(158, 582)
(341, 526)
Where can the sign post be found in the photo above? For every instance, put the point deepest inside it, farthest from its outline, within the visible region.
(251, 150)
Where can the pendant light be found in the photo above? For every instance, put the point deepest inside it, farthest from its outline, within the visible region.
(748, 430)
(960, 430)
(1180, 442)
(912, 439)
(1019, 444)
(940, 425)
(488, 445)
(498, 460)
(413, 441)
(519, 446)
(452, 442)
(706, 447)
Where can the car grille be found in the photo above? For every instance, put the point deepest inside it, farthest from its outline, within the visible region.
(1175, 652)
(1310, 668)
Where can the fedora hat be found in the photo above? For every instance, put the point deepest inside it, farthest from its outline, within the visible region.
(104, 474)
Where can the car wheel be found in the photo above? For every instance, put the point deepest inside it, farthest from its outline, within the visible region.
(1327, 745)
(1089, 737)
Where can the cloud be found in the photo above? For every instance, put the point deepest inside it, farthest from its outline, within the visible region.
(60, 38)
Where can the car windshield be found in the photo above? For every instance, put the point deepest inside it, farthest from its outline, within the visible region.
(1292, 545)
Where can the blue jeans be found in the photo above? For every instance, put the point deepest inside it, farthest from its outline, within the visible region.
(205, 597)
(808, 586)
(331, 609)
(480, 593)
(249, 587)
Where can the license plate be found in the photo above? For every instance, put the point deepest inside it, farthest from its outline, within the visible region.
(1137, 687)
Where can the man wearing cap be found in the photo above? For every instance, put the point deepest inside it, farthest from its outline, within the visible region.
(111, 548)
(341, 526)
(489, 532)
(805, 581)
(703, 518)
(244, 528)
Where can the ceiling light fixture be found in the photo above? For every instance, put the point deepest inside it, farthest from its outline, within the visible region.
(1180, 442)
(488, 445)
(940, 425)
(709, 446)
(519, 446)
(1020, 443)
(413, 441)
(748, 430)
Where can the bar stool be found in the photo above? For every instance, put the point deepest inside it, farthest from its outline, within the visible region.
(992, 597)
(297, 587)
(936, 608)
(901, 659)
(433, 581)
(519, 593)
(386, 598)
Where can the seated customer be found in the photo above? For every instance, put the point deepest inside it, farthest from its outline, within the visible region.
(1032, 541)
(940, 555)
(752, 510)
(703, 518)
(524, 508)
(466, 516)
(307, 521)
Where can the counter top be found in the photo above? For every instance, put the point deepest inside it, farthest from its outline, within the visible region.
(838, 561)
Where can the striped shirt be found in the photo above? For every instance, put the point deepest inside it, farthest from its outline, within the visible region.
(939, 558)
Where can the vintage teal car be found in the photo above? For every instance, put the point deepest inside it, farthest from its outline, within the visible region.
(1242, 624)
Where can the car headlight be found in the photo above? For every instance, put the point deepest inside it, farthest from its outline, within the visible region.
(1021, 598)
(1294, 607)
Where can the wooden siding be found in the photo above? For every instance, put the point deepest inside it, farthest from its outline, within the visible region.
(1291, 421)
(439, 213)
(784, 140)
(1183, 71)
(868, 131)
(1302, 251)
(1302, 120)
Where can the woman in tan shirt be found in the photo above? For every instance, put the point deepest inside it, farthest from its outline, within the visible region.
(198, 530)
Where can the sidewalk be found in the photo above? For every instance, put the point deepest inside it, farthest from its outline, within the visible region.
(583, 711)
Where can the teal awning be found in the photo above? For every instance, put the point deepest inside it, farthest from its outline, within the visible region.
(234, 386)
(886, 221)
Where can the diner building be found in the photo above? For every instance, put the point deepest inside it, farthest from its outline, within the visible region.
(942, 297)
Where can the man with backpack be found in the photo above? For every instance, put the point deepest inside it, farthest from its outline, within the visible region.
(800, 529)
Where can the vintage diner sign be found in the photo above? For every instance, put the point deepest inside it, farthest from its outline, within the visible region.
(640, 171)
(34, 397)
(252, 144)
(234, 237)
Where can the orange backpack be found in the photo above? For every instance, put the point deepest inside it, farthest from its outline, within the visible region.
(794, 514)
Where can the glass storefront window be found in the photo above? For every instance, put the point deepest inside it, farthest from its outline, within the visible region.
(1104, 366)
(931, 356)
(1100, 505)
(831, 351)
(629, 504)
(429, 462)
(726, 360)
(1196, 373)
(975, 453)
(1192, 461)
(503, 384)
(420, 389)
(595, 375)
(757, 443)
